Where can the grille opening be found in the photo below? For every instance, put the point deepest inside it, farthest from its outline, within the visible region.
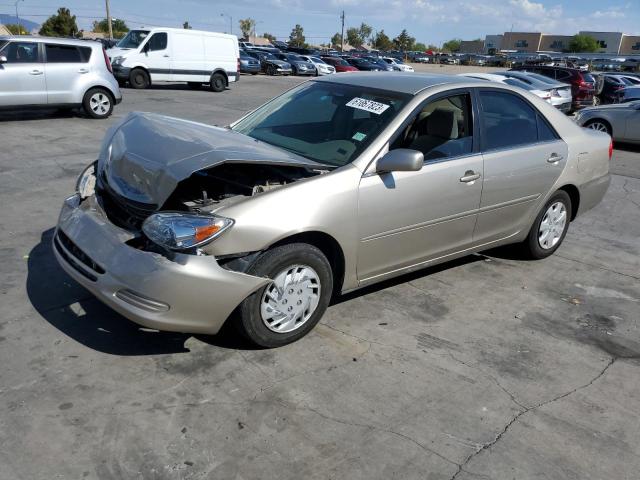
(74, 250)
(72, 262)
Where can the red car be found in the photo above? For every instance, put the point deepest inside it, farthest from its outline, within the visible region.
(340, 64)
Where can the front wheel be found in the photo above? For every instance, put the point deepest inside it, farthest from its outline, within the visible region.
(293, 302)
(550, 227)
(139, 79)
(97, 103)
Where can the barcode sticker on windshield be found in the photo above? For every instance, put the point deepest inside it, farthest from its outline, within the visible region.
(367, 105)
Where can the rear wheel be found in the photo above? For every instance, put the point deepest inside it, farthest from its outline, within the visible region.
(139, 79)
(293, 302)
(599, 125)
(550, 227)
(97, 103)
(218, 82)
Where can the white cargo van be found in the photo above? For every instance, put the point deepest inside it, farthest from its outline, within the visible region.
(147, 56)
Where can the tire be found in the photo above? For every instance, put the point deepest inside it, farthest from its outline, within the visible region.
(599, 125)
(98, 103)
(537, 245)
(139, 79)
(258, 321)
(218, 82)
(194, 85)
(254, 73)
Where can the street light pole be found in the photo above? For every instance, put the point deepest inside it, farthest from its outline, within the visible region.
(230, 21)
(18, 16)
(342, 33)
(109, 21)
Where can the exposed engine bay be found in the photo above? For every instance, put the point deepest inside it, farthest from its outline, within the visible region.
(220, 186)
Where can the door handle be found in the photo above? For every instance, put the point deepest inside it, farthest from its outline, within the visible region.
(165, 56)
(554, 158)
(83, 70)
(469, 177)
(35, 72)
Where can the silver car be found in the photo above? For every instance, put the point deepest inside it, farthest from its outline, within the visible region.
(560, 92)
(620, 120)
(56, 72)
(339, 183)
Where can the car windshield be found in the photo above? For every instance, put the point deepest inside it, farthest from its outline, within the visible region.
(316, 59)
(268, 56)
(295, 58)
(588, 78)
(329, 123)
(133, 39)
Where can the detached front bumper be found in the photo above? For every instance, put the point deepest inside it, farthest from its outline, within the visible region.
(187, 293)
(120, 72)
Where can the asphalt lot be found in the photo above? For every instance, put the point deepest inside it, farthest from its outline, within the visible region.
(488, 367)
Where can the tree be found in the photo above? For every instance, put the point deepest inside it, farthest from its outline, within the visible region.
(296, 38)
(452, 45)
(247, 25)
(357, 37)
(119, 27)
(336, 41)
(268, 36)
(186, 26)
(381, 41)
(62, 24)
(16, 29)
(404, 41)
(420, 47)
(583, 44)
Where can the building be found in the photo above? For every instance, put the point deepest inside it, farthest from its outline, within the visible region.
(4, 30)
(630, 45)
(471, 46)
(493, 44)
(555, 43)
(609, 42)
(521, 41)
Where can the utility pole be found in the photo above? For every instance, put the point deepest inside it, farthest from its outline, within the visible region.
(342, 34)
(109, 21)
(18, 17)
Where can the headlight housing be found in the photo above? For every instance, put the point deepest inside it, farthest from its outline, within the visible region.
(117, 60)
(183, 231)
(86, 183)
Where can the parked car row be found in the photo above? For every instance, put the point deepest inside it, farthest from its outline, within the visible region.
(616, 87)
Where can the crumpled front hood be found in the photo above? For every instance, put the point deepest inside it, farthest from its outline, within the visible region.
(147, 155)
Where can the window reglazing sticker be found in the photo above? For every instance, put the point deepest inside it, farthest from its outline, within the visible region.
(367, 105)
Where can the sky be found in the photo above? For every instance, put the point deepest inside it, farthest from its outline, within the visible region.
(429, 21)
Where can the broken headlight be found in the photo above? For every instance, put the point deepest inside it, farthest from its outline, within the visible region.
(182, 231)
(86, 183)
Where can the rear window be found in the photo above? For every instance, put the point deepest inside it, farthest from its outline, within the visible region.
(65, 54)
(587, 77)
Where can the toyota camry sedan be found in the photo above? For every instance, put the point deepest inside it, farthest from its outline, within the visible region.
(338, 183)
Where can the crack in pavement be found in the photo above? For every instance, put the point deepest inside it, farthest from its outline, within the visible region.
(489, 445)
(597, 266)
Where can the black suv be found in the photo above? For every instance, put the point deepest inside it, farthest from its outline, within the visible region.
(582, 83)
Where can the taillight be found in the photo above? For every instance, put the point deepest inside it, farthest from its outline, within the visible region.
(610, 149)
(106, 60)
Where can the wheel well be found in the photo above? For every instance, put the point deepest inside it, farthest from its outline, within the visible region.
(224, 74)
(574, 195)
(101, 87)
(329, 246)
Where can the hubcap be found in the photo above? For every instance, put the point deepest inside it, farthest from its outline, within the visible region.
(290, 300)
(601, 127)
(552, 225)
(100, 103)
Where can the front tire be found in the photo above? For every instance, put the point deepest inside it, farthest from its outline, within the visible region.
(97, 103)
(218, 82)
(139, 79)
(550, 227)
(290, 306)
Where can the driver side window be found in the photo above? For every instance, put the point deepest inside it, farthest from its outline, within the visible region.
(442, 128)
(158, 41)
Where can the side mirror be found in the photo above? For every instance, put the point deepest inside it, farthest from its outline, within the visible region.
(400, 160)
(3, 59)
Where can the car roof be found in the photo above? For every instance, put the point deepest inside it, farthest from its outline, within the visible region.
(411, 83)
(59, 40)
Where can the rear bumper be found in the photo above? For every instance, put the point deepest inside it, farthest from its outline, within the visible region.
(592, 193)
(186, 293)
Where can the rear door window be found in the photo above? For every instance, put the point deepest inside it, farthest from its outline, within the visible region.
(65, 54)
(507, 120)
